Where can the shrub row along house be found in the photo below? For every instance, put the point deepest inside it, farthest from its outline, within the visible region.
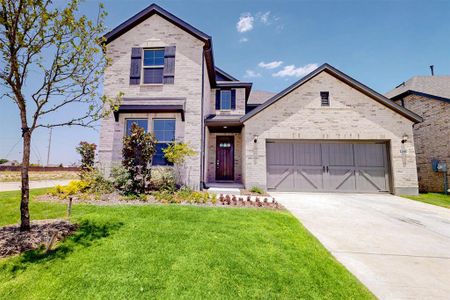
(326, 132)
(428, 96)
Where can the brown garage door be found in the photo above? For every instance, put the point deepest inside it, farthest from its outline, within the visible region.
(344, 167)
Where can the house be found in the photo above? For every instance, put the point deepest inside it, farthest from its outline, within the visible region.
(326, 132)
(429, 97)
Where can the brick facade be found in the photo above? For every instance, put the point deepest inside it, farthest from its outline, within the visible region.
(350, 116)
(431, 138)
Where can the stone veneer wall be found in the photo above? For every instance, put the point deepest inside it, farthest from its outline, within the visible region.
(431, 139)
(350, 116)
(156, 32)
(211, 177)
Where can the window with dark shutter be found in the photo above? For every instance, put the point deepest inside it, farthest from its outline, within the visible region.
(225, 99)
(325, 98)
(135, 69)
(233, 99)
(153, 66)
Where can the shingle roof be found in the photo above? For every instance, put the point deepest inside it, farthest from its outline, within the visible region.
(259, 97)
(438, 86)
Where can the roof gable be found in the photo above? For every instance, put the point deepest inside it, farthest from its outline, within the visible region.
(147, 13)
(435, 87)
(346, 79)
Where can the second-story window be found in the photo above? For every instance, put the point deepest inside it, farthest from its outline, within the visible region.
(153, 66)
(225, 99)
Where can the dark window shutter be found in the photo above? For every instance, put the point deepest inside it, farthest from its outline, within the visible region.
(169, 65)
(135, 69)
(233, 99)
(217, 99)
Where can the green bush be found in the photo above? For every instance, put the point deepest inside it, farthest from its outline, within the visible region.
(97, 183)
(163, 179)
(121, 179)
(87, 152)
(257, 190)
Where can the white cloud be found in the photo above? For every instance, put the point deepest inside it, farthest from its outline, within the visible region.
(270, 65)
(243, 40)
(264, 18)
(245, 23)
(251, 74)
(291, 70)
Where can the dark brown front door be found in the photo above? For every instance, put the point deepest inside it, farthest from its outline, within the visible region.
(225, 158)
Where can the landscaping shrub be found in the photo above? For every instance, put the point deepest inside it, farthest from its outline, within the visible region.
(87, 152)
(163, 179)
(97, 183)
(137, 153)
(177, 153)
(257, 190)
(74, 187)
(121, 179)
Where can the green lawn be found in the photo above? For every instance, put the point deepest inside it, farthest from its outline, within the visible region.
(432, 198)
(172, 252)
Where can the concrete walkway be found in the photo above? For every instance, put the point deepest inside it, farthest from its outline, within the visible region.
(16, 186)
(399, 248)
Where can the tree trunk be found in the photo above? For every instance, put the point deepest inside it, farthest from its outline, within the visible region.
(24, 210)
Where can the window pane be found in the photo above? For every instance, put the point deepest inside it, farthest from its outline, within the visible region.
(154, 57)
(143, 123)
(169, 125)
(169, 135)
(158, 124)
(225, 99)
(153, 75)
(158, 157)
(159, 135)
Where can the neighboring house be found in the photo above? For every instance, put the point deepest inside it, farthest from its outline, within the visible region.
(326, 132)
(429, 97)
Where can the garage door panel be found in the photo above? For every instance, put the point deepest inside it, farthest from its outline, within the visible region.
(339, 154)
(280, 178)
(341, 179)
(345, 167)
(372, 180)
(307, 154)
(280, 154)
(309, 179)
(370, 155)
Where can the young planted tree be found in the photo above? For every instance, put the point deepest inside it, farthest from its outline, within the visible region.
(87, 152)
(137, 152)
(51, 64)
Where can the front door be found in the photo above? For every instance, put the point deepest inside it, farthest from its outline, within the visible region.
(225, 158)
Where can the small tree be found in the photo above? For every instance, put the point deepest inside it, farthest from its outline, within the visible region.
(52, 59)
(137, 153)
(177, 153)
(3, 160)
(87, 152)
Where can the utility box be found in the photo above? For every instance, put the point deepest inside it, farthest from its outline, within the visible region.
(442, 166)
(439, 165)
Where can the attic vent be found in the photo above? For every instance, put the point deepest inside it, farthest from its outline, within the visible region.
(325, 98)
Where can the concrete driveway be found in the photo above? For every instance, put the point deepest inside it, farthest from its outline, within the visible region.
(399, 248)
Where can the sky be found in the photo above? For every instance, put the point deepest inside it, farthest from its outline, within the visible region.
(275, 43)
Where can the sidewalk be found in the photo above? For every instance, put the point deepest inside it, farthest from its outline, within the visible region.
(16, 186)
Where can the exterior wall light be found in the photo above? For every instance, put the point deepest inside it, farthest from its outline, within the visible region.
(255, 139)
(404, 138)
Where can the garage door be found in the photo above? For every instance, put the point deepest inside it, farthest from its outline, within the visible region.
(337, 167)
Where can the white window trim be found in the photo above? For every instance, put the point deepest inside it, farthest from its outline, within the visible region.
(151, 67)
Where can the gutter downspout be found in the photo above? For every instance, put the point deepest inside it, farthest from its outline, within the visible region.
(202, 124)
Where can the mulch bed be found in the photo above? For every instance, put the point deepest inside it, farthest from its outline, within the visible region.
(13, 241)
